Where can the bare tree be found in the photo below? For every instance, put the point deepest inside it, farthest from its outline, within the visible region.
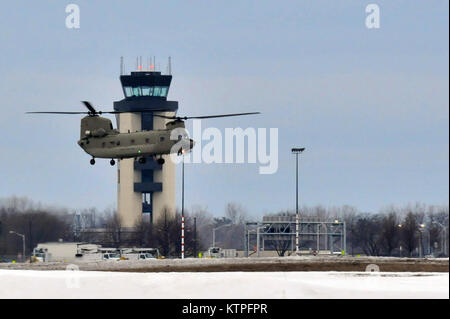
(368, 231)
(164, 231)
(390, 232)
(409, 232)
(236, 213)
(205, 225)
(115, 229)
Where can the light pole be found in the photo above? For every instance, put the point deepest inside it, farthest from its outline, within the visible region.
(247, 232)
(296, 151)
(444, 238)
(400, 248)
(195, 237)
(214, 233)
(345, 237)
(423, 226)
(23, 243)
(421, 252)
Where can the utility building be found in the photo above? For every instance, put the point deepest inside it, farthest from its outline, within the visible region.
(144, 188)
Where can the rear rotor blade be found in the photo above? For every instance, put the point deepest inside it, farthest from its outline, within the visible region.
(204, 117)
(219, 115)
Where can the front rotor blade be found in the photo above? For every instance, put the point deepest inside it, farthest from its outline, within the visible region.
(89, 106)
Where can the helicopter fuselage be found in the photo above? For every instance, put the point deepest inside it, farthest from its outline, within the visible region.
(100, 140)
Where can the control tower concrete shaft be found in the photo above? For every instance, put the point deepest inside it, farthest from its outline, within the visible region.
(144, 188)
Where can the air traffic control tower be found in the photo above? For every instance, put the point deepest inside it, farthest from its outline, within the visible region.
(144, 188)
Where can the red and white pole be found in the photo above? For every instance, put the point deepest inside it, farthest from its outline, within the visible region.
(182, 237)
(296, 233)
(182, 209)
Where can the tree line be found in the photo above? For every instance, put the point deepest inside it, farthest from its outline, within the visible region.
(393, 231)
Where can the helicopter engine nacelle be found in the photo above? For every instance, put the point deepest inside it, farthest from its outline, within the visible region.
(174, 124)
(98, 132)
(95, 126)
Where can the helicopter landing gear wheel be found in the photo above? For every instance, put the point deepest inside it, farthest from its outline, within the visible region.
(92, 161)
(112, 162)
(161, 161)
(142, 160)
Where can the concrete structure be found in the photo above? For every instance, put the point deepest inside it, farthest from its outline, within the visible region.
(150, 187)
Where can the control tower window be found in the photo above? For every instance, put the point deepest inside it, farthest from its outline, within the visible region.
(137, 91)
(156, 91)
(146, 90)
(128, 91)
(164, 91)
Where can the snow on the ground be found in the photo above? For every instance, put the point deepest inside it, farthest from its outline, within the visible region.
(236, 285)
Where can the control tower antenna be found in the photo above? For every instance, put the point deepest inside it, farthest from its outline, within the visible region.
(170, 66)
(121, 66)
(137, 63)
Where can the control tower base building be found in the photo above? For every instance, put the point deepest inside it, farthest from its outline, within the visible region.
(144, 188)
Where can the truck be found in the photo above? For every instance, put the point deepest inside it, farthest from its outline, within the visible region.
(72, 252)
(56, 251)
(228, 253)
(139, 253)
(106, 254)
(217, 252)
(213, 252)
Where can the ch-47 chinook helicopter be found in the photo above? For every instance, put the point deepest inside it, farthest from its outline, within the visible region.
(99, 139)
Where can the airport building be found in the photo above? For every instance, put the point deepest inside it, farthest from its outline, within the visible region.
(144, 188)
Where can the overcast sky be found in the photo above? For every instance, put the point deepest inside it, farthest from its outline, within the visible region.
(369, 105)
